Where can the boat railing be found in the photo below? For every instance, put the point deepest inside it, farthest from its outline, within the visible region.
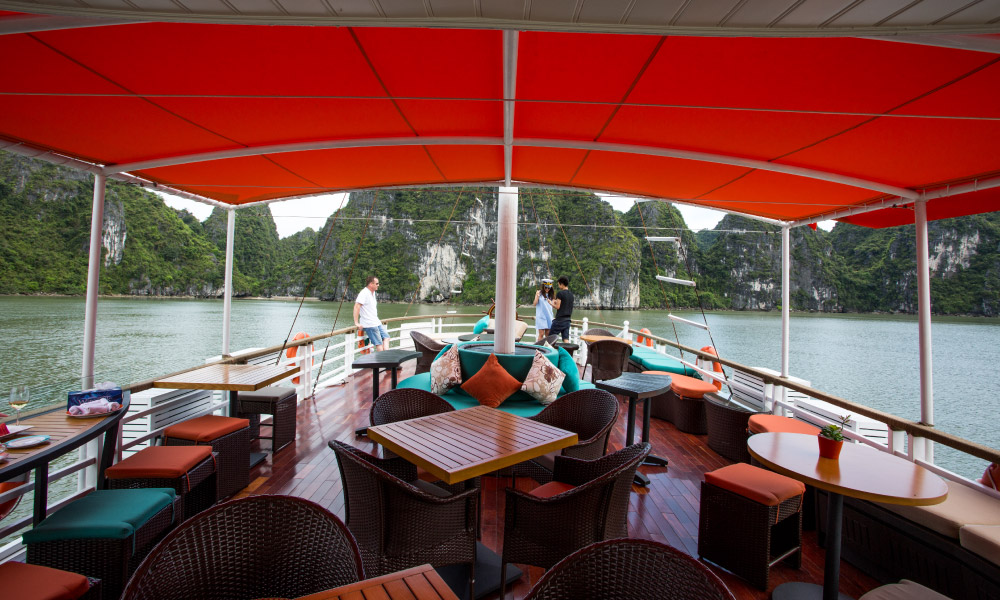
(908, 439)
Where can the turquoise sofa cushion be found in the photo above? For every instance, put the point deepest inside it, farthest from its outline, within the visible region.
(568, 366)
(652, 360)
(517, 365)
(481, 324)
(107, 514)
(522, 406)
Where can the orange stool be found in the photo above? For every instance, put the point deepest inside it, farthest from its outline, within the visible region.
(689, 406)
(767, 423)
(750, 519)
(228, 436)
(22, 580)
(189, 470)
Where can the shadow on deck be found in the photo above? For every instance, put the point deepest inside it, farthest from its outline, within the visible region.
(666, 511)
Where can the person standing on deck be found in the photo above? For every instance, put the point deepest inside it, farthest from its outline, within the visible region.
(543, 311)
(366, 315)
(563, 304)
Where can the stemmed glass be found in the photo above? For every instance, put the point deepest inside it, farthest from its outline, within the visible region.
(18, 400)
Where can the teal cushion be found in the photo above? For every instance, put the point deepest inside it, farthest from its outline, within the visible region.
(481, 324)
(107, 514)
(568, 366)
(517, 365)
(652, 360)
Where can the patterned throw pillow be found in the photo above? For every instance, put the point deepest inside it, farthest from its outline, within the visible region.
(492, 384)
(446, 372)
(543, 380)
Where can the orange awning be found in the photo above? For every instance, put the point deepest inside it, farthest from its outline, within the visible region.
(793, 129)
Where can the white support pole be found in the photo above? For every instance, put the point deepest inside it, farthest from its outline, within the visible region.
(786, 293)
(227, 302)
(506, 306)
(924, 327)
(93, 283)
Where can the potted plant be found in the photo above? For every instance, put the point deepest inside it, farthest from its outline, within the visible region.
(831, 439)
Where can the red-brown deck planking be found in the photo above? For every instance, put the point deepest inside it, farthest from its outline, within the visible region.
(667, 511)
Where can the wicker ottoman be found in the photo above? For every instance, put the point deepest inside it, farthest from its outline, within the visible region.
(21, 580)
(189, 470)
(750, 519)
(229, 437)
(689, 407)
(662, 406)
(727, 428)
(105, 534)
(276, 401)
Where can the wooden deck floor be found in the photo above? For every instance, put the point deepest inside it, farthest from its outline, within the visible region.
(666, 511)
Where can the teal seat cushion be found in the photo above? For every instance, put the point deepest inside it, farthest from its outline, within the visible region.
(517, 365)
(481, 324)
(107, 514)
(652, 360)
(568, 366)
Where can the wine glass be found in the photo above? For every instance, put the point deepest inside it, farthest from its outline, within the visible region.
(18, 400)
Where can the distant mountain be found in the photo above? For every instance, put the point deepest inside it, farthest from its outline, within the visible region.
(440, 245)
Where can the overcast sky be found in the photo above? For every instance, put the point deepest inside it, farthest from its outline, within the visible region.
(292, 216)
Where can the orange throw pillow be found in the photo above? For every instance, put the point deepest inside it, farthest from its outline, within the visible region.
(492, 384)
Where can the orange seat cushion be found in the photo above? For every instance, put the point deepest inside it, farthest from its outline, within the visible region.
(159, 462)
(760, 485)
(552, 488)
(492, 384)
(206, 428)
(35, 582)
(689, 387)
(779, 424)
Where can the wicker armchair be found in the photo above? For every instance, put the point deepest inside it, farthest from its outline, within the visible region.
(597, 332)
(402, 404)
(252, 547)
(551, 339)
(428, 348)
(541, 531)
(629, 568)
(401, 524)
(607, 359)
(590, 414)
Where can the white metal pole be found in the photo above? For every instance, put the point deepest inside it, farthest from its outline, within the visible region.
(227, 303)
(506, 271)
(93, 283)
(924, 326)
(786, 278)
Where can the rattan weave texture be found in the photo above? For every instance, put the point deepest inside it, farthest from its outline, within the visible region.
(629, 569)
(233, 465)
(252, 547)
(282, 413)
(196, 491)
(428, 348)
(727, 429)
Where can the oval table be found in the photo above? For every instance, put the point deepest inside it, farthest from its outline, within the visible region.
(860, 472)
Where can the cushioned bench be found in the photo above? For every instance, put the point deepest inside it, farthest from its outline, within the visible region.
(645, 358)
(517, 365)
(952, 547)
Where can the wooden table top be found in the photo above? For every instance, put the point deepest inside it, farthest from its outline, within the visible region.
(56, 424)
(590, 339)
(861, 472)
(463, 444)
(232, 378)
(418, 583)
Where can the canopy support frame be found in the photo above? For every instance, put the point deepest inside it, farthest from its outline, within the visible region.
(93, 283)
(227, 302)
(506, 306)
(924, 326)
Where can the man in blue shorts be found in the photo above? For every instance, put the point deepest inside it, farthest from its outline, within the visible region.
(366, 315)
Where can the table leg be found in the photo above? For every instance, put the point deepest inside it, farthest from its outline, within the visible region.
(234, 410)
(830, 590)
(41, 493)
(393, 376)
(639, 478)
(652, 460)
(360, 431)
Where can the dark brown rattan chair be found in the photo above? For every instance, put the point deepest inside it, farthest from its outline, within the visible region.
(597, 332)
(252, 547)
(402, 404)
(541, 531)
(590, 414)
(629, 568)
(551, 339)
(428, 348)
(401, 524)
(727, 429)
(607, 359)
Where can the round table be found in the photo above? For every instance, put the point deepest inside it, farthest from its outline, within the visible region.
(861, 472)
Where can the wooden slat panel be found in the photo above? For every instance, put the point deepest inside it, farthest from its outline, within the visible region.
(418, 583)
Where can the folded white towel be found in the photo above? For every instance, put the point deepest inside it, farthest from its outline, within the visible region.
(94, 407)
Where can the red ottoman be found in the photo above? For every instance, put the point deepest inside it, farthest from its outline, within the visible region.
(189, 470)
(35, 582)
(228, 436)
(766, 423)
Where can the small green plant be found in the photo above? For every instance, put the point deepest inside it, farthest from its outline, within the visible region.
(835, 432)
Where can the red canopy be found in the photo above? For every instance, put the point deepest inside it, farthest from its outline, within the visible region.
(793, 129)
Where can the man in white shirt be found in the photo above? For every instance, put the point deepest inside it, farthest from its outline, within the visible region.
(366, 315)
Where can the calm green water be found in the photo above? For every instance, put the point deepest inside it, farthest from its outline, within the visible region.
(868, 359)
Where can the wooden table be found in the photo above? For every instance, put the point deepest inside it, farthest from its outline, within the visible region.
(232, 379)
(65, 435)
(861, 472)
(463, 444)
(635, 387)
(418, 583)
